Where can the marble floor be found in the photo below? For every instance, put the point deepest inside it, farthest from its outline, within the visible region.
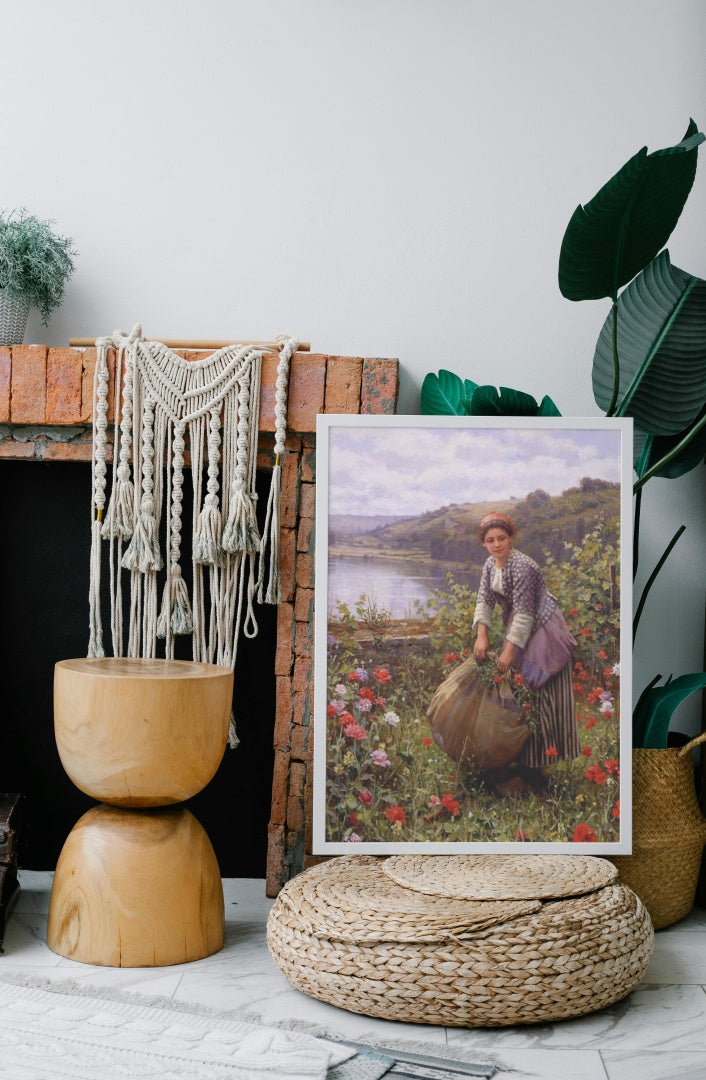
(658, 1033)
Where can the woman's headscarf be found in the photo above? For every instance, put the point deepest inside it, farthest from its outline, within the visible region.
(496, 520)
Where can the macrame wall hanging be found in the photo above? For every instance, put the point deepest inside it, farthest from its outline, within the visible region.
(214, 404)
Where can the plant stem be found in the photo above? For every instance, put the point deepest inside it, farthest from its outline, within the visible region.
(652, 577)
(692, 432)
(616, 365)
(636, 533)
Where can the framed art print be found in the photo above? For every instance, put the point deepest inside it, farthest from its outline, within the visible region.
(472, 635)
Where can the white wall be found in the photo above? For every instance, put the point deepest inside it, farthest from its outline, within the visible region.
(382, 177)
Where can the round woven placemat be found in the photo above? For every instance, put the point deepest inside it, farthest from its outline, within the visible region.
(501, 877)
(360, 903)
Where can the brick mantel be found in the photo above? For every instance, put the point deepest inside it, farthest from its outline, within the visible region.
(46, 397)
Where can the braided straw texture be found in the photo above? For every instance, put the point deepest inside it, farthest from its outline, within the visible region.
(362, 904)
(501, 877)
(668, 833)
(570, 957)
(13, 318)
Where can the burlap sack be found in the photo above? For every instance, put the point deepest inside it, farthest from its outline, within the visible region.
(477, 726)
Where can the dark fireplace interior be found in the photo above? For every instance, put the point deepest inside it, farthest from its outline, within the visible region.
(44, 561)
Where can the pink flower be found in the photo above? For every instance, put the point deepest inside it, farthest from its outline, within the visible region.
(355, 731)
(353, 838)
(366, 797)
(379, 757)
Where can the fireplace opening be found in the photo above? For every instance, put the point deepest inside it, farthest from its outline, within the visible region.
(44, 562)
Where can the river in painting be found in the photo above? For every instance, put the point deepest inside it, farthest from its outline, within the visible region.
(397, 585)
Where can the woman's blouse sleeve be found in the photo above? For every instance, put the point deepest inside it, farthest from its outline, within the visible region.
(485, 602)
(528, 591)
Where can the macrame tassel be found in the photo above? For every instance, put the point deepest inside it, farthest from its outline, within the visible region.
(273, 593)
(143, 552)
(175, 614)
(241, 532)
(95, 640)
(208, 548)
(120, 517)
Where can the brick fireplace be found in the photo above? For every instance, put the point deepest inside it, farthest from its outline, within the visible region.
(46, 415)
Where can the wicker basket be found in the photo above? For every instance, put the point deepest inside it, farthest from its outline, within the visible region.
(347, 933)
(668, 833)
(13, 318)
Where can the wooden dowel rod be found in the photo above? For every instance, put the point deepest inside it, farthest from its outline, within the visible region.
(173, 343)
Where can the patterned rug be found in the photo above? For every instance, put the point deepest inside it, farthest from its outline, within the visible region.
(64, 1031)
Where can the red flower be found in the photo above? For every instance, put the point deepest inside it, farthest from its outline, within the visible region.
(573, 613)
(330, 711)
(583, 834)
(366, 692)
(347, 718)
(585, 631)
(496, 679)
(602, 654)
(451, 805)
(578, 688)
(451, 657)
(353, 819)
(366, 797)
(354, 677)
(520, 834)
(381, 674)
(586, 751)
(395, 813)
(590, 722)
(612, 766)
(551, 751)
(355, 731)
(518, 680)
(380, 702)
(595, 775)
(427, 742)
(615, 812)
(583, 675)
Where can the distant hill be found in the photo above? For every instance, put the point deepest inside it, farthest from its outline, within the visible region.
(345, 525)
(544, 522)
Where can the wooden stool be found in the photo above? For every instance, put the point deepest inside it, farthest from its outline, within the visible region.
(137, 886)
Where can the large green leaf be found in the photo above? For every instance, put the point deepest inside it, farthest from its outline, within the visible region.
(661, 343)
(489, 401)
(650, 450)
(610, 239)
(653, 713)
(445, 394)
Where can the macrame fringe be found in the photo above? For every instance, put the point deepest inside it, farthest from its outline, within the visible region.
(233, 740)
(95, 640)
(120, 518)
(273, 593)
(175, 615)
(241, 532)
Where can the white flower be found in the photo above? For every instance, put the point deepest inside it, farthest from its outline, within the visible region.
(615, 670)
(391, 717)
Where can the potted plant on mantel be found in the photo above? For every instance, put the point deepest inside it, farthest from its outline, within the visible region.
(35, 264)
(650, 364)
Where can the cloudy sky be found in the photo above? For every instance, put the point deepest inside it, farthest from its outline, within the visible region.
(409, 470)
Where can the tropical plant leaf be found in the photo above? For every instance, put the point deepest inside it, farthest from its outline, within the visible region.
(649, 450)
(503, 401)
(653, 713)
(661, 350)
(614, 236)
(444, 394)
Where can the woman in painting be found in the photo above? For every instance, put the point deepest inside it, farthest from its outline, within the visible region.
(537, 646)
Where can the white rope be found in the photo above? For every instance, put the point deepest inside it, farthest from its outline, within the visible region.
(160, 401)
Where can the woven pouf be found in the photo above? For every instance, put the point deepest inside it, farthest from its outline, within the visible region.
(462, 940)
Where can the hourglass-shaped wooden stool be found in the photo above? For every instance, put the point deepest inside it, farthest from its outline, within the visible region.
(137, 883)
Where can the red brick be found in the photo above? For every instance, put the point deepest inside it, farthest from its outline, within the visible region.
(343, 381)
(28, 384)
(287, 562)
(280, 786)
(301, 713)
(300, 738)
(284, 652)
(289, 501)
(380, 386)
(308, 465)
(304, 604)
(307, 500)
(64, 378)
(283, 713)
(297, 779)
(305, 571)
(11, 448)
(306, 535)
(302, 674)
(275, 876)
(303, 640)
(306, 391)
(53, 451)
(5, 374)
